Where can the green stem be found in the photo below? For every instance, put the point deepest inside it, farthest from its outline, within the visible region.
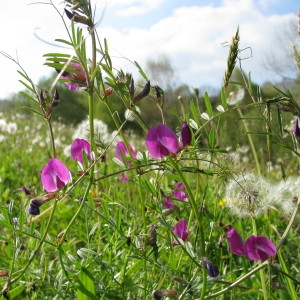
(41, 242)
(196, 212)
(254, 153)
(48, 121)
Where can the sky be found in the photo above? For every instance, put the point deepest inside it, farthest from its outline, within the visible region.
(193, 35)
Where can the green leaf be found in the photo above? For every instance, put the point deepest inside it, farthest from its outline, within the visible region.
(208, 104)
(141, 71)
(86, 288)
(197, 170)
(16, 291)
(64, 42)
(211, 139)
(151, 188)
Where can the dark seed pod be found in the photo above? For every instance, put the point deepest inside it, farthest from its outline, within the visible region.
(55, 100)
(143, 93)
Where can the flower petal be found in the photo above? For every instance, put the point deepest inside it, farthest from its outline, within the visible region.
(77, 148)
(235, 241)
(55, 175)
(181, 230)
(259, 248)
(161, 141)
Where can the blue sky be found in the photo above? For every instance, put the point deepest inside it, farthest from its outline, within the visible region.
(190, 33)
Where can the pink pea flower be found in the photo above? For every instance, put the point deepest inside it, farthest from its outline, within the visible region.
(124, 178)
(235, 241)
(181, 230)
(161, 141)
(121, 148)
(256, 247)
(77, 78)
(259, 248)
(180, 192)
(78, 147)
(168, 203)
(55, 175)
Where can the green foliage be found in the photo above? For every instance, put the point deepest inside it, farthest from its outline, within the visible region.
(100, 237)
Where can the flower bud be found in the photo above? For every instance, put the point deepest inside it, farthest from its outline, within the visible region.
(143, 93)
(55, 100)
(159, 294)
(108, 91)
(186, 135)
(150, 239)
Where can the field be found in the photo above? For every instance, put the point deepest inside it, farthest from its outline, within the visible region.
(205, 209)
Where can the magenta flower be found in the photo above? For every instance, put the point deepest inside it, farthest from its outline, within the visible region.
(161, 141)
(78, 147)
(181, 230)
(259, 248)
(121, 149)
(180, 192)
(124, 178)
(55, 175)
(186, 135)
(75, 75)
(168, 203)
(256, 247)
(235, 241)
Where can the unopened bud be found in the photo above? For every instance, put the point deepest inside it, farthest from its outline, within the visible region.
(150, 239)
(3, 273)
(108, 91)
(77, 18)
(55, 100)
(143, 93)
(159, 294)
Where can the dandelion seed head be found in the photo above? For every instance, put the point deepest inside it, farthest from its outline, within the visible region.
(248, 195)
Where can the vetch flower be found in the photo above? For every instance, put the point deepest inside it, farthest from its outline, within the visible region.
(122, 150)
(168, 203)
(161, 141)
(78, 147)
(180, 192)
(159, 294)
(34, 206)
(75, 76)
(181, 230)
(124, 178)
(235, 241)
(259, 248)
(55, 175)
(256, 247)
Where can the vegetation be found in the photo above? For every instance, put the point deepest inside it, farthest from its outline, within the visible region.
(185, 196)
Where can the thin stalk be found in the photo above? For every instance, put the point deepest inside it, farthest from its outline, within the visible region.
(52, 141)
(254, 153)
(41, 242)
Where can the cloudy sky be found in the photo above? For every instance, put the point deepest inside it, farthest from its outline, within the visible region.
(192, 34)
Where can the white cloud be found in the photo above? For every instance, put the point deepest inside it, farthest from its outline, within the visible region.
(134, 7)
(192, 37)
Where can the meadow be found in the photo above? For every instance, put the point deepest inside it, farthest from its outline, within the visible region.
(196, 211)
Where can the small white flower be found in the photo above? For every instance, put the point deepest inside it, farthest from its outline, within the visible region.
(193, 124)
(205, 116)
(236, 96)
(220, 108)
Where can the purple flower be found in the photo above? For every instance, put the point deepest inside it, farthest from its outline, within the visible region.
(259, 248)
(77, 78)
(55, 175)
(122, 150)
(180, 193)
(181, 230)
(186, 135)
(124, 178)
(78, 147)
(235, 241)
(256, 247)
(168, 203)
(161, 141)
